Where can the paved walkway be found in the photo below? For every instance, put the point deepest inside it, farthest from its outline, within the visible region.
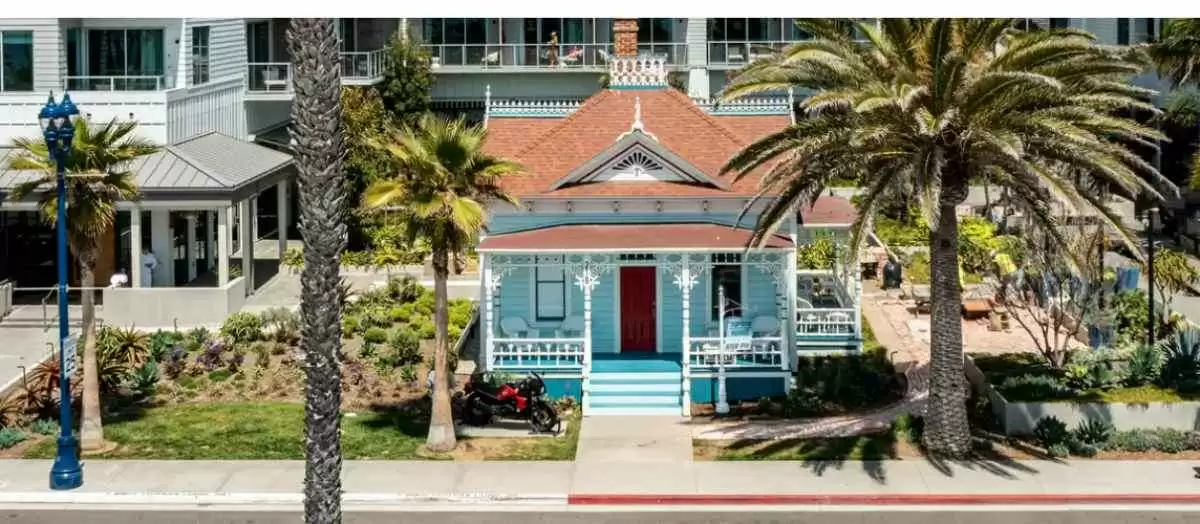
(24, 339)
(427, 478)
(634, 439)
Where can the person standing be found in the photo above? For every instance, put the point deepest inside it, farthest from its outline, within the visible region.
(149, 264)
(553, 53)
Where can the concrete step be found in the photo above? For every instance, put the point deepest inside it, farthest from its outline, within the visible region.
(632, 410)
(636, 400)
(621, 388)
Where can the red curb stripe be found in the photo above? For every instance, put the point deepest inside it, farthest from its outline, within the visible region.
(880, 500)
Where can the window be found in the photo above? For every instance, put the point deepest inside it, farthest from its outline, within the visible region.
(655, 30)
(550, 289)
(200, 69)
(460, 41)
(16, 61)
(729, 277)
(125, 59)
(1060, 23)
(1122, 31)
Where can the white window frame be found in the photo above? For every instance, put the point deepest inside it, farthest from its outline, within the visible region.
(539, 279)
(201, 67)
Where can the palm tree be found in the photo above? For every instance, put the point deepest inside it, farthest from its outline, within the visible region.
(926, 104)
(438, 194)
(1176, 55)
(318, 147)
(103, 152)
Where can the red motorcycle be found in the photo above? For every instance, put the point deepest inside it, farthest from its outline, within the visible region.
(524, 399)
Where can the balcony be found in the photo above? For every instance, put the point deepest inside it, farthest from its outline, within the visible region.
(362, 67)
(269, 81)
(735, 54)
(116, 83)
(451, 58)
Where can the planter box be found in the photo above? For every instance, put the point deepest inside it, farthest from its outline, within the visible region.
(1019, 418)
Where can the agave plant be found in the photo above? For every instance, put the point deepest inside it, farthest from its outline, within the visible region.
(128, 345)
(1181, 355)
(161, 343)
(144, 380)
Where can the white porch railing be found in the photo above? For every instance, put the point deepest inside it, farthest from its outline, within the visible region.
(362, 65)
(115, 83)
(739, 53)
(516, 353)
(817, 322)
(763, 352)
(6, 298)
(269, 77)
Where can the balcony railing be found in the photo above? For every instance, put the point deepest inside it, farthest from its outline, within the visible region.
(761, 352)
(518, 353)
(362, 65)
(521, 56)
(675, 54)
(116, 83)
(738, 53)
(817, 322)
(270, 77)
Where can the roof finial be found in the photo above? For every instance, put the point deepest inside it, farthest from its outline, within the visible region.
(791, 102)
(637, 115)
(487, 103)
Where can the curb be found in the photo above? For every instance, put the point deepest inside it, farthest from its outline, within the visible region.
(168, 498)
(883, 500)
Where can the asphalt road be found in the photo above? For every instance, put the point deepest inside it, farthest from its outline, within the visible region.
(744, 516)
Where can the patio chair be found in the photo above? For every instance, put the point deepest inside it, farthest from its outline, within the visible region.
(515, 327)
(572, 325)
(491, 59)
(571, 58)
(764, 325)
(604, 56)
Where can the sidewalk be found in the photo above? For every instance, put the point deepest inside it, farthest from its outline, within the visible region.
(914, 482)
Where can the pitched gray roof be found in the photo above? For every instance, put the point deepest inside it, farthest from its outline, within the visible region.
(209, 162)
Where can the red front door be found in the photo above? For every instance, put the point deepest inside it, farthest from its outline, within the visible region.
(638, 305)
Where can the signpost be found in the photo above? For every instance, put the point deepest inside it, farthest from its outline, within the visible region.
(70, 355)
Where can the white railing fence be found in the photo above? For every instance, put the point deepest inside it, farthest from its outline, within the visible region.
(743, 52)
(516, 353)
(762, 352)
(825, 322)
(6, 298)
(362, 65)
(115, 83)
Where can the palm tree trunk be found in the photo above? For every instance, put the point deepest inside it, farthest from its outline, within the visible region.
(318, 148)
(441, 421)
(947, 431)
(91, 426)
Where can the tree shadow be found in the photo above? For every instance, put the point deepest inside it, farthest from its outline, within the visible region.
(985, 458)
(871, 452)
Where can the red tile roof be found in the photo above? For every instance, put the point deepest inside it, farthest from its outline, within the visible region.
(627, 237)
(550, 152)
(828, 210)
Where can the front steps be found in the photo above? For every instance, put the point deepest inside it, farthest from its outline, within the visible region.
(635, 387)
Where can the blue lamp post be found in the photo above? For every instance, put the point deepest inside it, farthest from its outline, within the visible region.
(58, 128)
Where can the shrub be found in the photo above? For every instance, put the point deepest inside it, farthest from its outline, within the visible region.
(1134, 440)
(1181, 366)
(1170, 440)
(160, 344)
(356, 258)
(1143, 366)
(378, 317)
(848, 382)
(144, 380)
(44, 426)
(1050, 432)
(425, 303)
(176, 362)
(1060, 450)
(911, 427)
(281, 324)
(242, 327)
(400, 314)
(375, 335)
(1132, 309)
(404, 288)
(10, 437)
(1093, 369)
(1083, 449)
(1191, 440)
(350, 326)
(213, 356)
(293, 258)
(802, 402)
(820, 253)
(368, 351)
(976, 239)
(409, 374)
(198, 335)
(1093, 431)
(1035, 387)
(262, 354)
(405, 346)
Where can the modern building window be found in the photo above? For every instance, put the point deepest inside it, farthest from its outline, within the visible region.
(550, 289)
(125, 59)
(729, 277)
(1060, 23)
(656, 30)
(348, 34)
(200, 67)
(1122, 31)
(741, 40)
(458, 41)
(16, 61)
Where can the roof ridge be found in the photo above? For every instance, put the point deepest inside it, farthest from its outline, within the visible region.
(197, 137)
(691, 106)
(589, 104)
(187, 159)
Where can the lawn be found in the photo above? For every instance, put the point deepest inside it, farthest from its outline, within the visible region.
(275, 431)
(880, 446)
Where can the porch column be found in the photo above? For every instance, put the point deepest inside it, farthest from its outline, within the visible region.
(491, 283)
(245, 234)
(190, 235)
(281, 203)
(135, 247)
(686, 277)
(253, 218)
(858, 328)
(223, 246)
(160, 246)
(210, 239)
(788, 328)
(232, 212)
(587, 278)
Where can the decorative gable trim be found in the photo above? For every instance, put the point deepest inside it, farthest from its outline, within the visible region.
(638, 157)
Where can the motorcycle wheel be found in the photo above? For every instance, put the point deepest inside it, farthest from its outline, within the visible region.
(543, 418)
(476, 413)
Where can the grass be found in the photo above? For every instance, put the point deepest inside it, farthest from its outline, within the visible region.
(275, 431)
(998, 368)
(896, 442)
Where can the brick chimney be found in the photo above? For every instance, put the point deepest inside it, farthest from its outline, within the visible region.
(625, 37)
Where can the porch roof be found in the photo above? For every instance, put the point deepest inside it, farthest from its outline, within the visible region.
(205, 167)
(627, 237)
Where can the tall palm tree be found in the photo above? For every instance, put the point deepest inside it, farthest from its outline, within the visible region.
(104, 152)
(318, 147)
(1176, 55)
(928, 103)
(439, 193)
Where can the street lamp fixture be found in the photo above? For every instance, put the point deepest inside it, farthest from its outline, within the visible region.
(57, 121)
